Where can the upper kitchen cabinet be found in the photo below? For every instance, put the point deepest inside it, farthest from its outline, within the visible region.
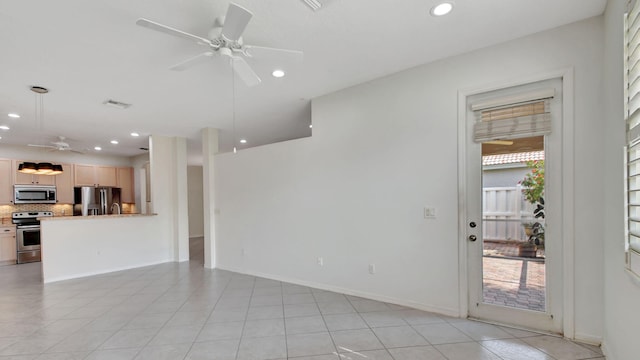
(125, 183)
(6, 182)
(30, 179)
(64, 185)
(95, 175)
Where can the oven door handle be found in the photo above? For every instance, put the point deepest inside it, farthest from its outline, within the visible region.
(28, 227)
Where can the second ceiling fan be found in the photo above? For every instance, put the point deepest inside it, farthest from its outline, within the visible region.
(225, 39)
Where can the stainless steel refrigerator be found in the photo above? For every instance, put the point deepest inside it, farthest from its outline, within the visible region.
(90, 200)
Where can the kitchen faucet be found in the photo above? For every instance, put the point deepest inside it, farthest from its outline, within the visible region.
(117, 206)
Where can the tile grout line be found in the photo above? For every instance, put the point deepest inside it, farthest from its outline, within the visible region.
(337, 352)
(244, 324)
(81, 328)
(208, 317)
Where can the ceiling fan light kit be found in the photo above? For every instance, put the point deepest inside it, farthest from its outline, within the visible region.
(225, 39)
(316, 5)
(60, 145)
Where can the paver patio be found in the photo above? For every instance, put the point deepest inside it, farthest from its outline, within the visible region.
(511, 281)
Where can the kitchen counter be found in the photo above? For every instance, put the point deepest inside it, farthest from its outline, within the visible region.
(54, 218)
(102, 244)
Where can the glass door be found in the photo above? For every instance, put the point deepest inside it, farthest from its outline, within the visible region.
(512, 278)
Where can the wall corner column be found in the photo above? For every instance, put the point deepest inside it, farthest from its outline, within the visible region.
(168, 159)
(209, 149)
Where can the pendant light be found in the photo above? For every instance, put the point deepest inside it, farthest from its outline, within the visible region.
(43, 168)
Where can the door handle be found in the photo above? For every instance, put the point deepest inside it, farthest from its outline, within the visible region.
(472, 238)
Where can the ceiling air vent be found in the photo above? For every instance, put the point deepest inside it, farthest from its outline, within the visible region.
(316, 5)
(116, 104)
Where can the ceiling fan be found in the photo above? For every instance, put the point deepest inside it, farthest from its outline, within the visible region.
(225, 39)
(59, 145)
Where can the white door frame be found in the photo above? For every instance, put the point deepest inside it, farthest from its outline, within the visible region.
(567, 215)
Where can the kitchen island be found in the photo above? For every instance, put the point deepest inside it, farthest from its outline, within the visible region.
(78, 246)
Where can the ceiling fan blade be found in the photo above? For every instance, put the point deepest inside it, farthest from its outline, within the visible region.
(76, 151)
(245, 72)
(191, 61)
(42, 146)
(235, 22)
(262, 52)
(171, 31)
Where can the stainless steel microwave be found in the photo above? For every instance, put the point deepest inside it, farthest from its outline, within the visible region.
(34, 194)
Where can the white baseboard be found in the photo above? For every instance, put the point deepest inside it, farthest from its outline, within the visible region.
(588, 339)
(93, 273)
(606, 352)
(387, 299)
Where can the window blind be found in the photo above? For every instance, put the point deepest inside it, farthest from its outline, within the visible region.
(523, 119)
(632, 114)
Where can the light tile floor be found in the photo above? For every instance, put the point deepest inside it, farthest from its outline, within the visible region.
(183, 311)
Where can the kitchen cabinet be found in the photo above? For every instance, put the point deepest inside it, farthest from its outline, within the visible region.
(125, 183)
(6, 182)
(28, 179)
(95, 175)
(7, 244)
(64, 185)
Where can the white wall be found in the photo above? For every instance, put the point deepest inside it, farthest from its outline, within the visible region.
(381, 151)
(498, 177)
(138, 163)
(196, 215)
(94, 245)
(622, 291)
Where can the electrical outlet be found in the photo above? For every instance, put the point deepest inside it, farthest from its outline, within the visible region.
(372, 269)
(320, 261)
(429, 213)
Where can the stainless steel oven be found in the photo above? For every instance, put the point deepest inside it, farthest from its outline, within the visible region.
(28, 235)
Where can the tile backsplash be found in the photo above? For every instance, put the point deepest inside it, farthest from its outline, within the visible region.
(57, 209)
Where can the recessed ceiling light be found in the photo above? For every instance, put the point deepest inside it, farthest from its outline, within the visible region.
(311, 126)
(277, 73)
(243, 141)
(114, 142)
(97, 148)
(442, 9)
(135, 134)
(4, 127)
(14, 115)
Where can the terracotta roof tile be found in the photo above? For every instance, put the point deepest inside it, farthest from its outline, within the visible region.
(512, 158)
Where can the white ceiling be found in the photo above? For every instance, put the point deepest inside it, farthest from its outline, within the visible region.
(86, 52)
